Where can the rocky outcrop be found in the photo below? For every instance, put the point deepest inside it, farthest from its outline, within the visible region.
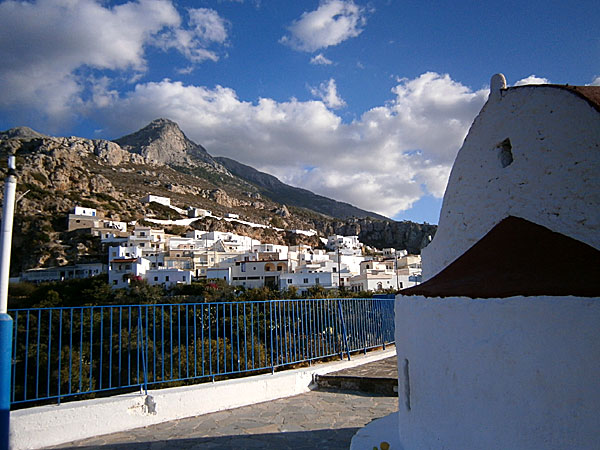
(382, 233)
(163, 143)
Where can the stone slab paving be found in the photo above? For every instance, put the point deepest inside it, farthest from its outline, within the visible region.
(319, 419)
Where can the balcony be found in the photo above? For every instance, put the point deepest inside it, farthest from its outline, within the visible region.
(184, 360)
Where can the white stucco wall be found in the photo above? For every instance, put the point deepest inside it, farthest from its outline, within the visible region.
(514, 373)
(552, 181)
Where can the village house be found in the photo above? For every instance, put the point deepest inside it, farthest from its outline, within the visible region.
(63, 273)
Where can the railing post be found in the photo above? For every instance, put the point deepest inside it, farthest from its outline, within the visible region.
(144, 365)
(339, 304)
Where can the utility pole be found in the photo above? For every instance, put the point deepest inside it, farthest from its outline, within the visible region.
(6, 322)
(339, 272)
(396, 266)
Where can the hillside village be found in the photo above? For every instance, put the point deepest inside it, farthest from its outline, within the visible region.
(141, 252)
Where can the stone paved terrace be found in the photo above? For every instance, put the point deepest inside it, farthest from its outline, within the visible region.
(320, 419)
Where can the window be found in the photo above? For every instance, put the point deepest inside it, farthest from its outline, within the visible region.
(267, 269)
(183, 278)
(334, 269)
(167, 278)
(155, 278)
(114, 281)
(290, 281)
(317, 280)
(306, 281)
(142, 233)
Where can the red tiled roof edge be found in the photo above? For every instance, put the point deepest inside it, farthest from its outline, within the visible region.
(518, 257)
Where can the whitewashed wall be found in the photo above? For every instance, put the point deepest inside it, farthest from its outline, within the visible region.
(515, 373)
(552, 181)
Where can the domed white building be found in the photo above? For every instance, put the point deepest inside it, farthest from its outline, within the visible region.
(500, 347)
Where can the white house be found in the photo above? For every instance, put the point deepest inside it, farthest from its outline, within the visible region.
(252, 274)
(305, 280)
(197, 212)
(122, 270)
(63, 272)
(501, 344)
(156, 198)
(168, 277)
(81, 211)
(343, 242)
(219, 273)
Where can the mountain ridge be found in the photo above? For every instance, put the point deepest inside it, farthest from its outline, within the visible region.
(284, 193)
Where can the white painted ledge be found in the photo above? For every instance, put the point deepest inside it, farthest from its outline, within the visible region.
(43, 426)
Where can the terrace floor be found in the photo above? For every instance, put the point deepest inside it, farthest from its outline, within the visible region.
(325, 418)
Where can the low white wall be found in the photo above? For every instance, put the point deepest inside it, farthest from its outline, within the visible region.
(514, 373)
(56, 424)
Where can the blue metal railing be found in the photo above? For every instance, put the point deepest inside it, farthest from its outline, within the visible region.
(65, 352)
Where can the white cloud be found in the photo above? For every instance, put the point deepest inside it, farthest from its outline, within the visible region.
(384, 161)
(331, 23)
(327, 91)
(532, 79)
(596, 82)
(206, 27)
(320, 59)
(49, 47)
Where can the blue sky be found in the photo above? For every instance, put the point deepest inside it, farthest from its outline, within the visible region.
(362, 101)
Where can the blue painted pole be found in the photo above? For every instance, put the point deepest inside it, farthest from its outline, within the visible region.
(6, 330)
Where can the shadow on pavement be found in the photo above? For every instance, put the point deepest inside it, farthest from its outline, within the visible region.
(307, 440)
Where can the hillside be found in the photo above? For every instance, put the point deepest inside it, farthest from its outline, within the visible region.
(280, 192)
(58, 173)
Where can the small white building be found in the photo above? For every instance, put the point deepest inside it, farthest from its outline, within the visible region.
(155, 198)
(122, 270)
(168, 277)
(219, 273)
(305, 280)
(343, 242)
(62, 273)
(197, 212)
(253, 274)
(82, 211)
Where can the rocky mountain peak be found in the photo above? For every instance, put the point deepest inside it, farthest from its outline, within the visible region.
(23, 133)
(163, 142)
